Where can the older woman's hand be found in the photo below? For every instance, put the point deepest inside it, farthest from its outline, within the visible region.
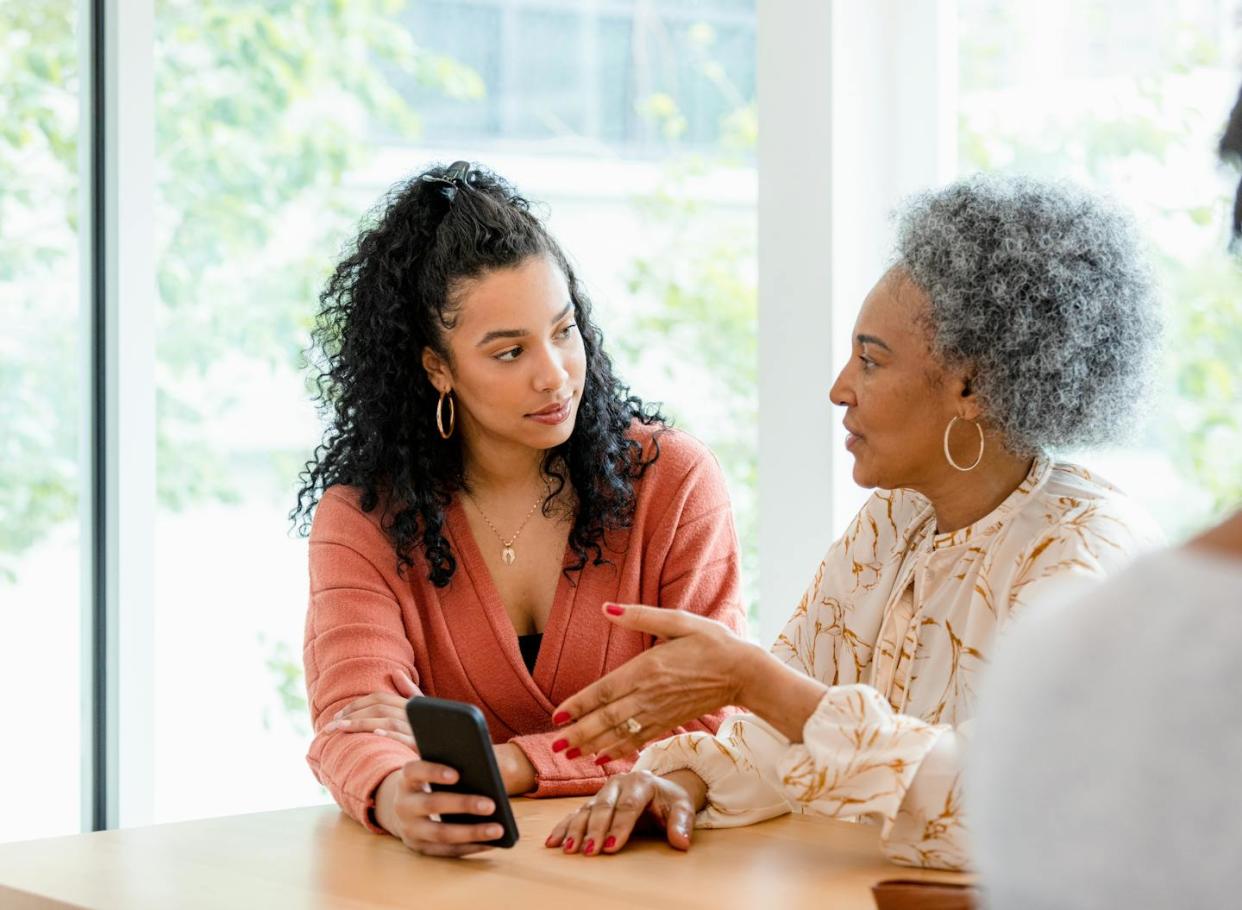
(604, 823)
(701, 667)
(381, 713)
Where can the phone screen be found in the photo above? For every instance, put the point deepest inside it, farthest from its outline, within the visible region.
(454, 733)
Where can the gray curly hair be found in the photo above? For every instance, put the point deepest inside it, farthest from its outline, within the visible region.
(1043, 290)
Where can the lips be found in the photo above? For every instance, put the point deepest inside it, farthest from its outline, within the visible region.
(554, 408)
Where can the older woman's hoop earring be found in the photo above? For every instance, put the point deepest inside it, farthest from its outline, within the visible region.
(445, 434)
(949, 456)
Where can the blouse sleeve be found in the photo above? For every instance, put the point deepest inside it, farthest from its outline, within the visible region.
(355, 644)
(858, 758)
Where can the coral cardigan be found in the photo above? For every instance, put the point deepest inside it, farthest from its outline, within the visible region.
(366, 622)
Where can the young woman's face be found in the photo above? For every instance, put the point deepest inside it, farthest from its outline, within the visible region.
(517, 360)
(897, 398)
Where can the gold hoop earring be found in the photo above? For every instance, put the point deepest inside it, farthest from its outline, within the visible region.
(949, 456)
(445, 434)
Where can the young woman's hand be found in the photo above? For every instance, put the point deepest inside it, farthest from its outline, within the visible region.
(406, 807)
(604, 823)
(381, 713)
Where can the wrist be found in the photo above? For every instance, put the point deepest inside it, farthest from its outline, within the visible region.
(752, 663)
(385, 799)
(694, 785)
(516, 769)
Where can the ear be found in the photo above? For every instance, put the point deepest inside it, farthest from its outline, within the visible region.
(967, 402)
(438, 371)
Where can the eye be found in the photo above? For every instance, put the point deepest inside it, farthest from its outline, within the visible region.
(867, 362)
(567, 331)
(508, 356)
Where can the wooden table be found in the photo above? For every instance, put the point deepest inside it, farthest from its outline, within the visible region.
(318, 858)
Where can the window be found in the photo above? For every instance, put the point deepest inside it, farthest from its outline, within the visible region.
(41, 414)
(1131, 99)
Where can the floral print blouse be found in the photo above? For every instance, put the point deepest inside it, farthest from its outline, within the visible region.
(899, 621)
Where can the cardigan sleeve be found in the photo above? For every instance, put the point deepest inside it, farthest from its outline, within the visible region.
(693, 545)
(355, 643)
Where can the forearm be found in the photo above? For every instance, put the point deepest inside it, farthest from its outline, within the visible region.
(780, 694)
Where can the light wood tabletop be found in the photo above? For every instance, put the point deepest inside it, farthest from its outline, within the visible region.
(318, 858)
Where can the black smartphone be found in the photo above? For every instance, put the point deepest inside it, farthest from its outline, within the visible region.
(454, 733)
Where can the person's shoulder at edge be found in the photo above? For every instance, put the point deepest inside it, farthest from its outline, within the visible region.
(1074, 493)
(339, 513)
(679, 452)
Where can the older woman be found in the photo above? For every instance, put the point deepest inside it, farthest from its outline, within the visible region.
(1017, 319)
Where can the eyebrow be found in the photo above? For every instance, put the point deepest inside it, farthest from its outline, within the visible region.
(520, 333)
(871, 339)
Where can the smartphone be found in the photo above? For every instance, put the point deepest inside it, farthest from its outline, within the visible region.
(454, 733)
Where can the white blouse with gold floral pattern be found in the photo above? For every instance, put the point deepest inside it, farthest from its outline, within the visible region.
(899, 621)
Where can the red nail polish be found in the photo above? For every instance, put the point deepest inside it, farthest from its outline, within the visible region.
(559, 745)
(603, 759)
(610, 842)
(560, 718)
(569, 845)
(614, 609)
(573, 753)
(589, 848)
(548, 842)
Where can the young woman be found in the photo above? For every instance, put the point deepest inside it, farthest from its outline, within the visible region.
(485, 484)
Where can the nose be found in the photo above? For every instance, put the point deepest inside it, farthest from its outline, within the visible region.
(842, 391)
(550, 373)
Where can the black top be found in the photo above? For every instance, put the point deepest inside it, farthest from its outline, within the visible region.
(529, 646)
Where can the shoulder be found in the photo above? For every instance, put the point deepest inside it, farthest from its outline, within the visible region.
(340, 518)
(677, 456)
(1079, 505)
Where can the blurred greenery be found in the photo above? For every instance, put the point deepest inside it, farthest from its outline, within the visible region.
(262, 109)
(1135, 134)
(701, 336)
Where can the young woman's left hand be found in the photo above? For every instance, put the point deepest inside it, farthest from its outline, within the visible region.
(381, 713)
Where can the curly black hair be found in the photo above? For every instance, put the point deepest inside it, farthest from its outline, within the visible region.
(395, 293)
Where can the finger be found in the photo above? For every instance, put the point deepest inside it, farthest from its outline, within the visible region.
(574, 834)
(382, 715)
(416, 773)
(405, 685)
(615, 686)
(600, 818)
(399, 737)
(658, 621)
(433, 849)
(679, 824)
(557, 837)
(607, 726)
(440, 803)
(367, 701)
(427, 831)
(637, 792)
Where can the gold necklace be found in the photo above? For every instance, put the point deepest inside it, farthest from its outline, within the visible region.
(507, 553)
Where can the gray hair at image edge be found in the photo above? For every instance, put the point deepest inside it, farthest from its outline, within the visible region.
(1042, 290)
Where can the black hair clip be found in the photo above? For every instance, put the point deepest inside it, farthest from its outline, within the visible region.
(456, 175)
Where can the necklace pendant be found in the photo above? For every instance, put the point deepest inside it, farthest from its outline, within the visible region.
(508, 556)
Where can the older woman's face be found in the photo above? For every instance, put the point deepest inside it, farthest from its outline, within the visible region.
(897, 398)
(518, 362)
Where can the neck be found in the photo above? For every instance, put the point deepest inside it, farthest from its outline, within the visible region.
(499, 466)
(960, 498)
